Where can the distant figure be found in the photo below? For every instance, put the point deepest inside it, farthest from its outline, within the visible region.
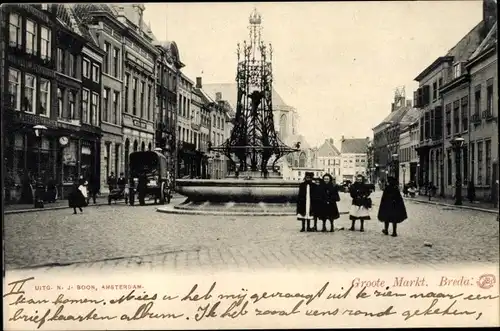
(306, 201)
(26, 189)
(76, 199)
(361, 203)
(93, 188)
(392, 207)
(51, 195)
(121, 182)
(471, 191)
(111, 181)
(328, 197)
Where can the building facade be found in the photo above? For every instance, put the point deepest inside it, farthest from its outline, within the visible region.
(483, 127)
(186, 149)
(354, 158)
(408, 158)
(108, 32)
(44, 58)
(168, 67)
(329, 159)
(139, 81)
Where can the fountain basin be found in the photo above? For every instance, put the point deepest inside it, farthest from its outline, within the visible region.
(239, 190)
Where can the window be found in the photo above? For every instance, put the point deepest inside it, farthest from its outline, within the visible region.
(465, 161)
(480, 163)
(116, 57)
(214, 121)
(71, 105)
(14, 30)
(456, 117)
(60, 102)
(141, 99)
(477, 99)
(487, 147)
(45, 43)
(15, 88)
(448, 119)
(31, 38)
(105, 102)
(222, 124)
(457, 70)
(489, 98)
(105, 63)
(134, 96)
(95, 109)
(148, 103)
(448, 159)
(29, 104)
(472, 159)
(465, 113)
(434, 91)
(86, 68)
(44, 97)
(95, 73)
(127, 86)
(116, 99)
(85, 106)
(72, 65)
(60, 60)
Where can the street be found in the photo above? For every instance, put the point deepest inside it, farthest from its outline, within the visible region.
(120, 236)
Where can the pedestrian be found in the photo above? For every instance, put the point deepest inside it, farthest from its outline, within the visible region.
(121, 181)
(76, 199)
(361, 203)
(327, 202)
(471, 191)
(392, 207)
(306, 202)
(111, 181)
(83, 187)
(51, 195)
(93, 188)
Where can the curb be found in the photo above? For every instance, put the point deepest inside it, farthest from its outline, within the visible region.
(34, 210)
(173, 210)
(491, 211)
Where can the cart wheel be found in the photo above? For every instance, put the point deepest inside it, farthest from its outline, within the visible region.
(163, 193)
(142, 201)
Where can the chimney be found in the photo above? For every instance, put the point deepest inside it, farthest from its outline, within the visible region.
(489, 14)
(408, 103)
(218, 96)
(392, 107)
(331, 141)
(198, 82)
(342, 139)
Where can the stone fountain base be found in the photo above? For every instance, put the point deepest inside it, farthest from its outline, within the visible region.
(230, 209)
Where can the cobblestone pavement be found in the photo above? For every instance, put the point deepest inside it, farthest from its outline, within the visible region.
(120, 236)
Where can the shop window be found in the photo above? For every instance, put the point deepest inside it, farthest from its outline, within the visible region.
(15, 88)
(69, 160)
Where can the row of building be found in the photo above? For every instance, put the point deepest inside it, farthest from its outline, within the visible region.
(457, 97)
(85, 85)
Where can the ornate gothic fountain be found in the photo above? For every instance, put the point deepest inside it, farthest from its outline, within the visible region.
(253, 148)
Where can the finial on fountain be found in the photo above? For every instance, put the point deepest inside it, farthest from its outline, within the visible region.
(255, 17)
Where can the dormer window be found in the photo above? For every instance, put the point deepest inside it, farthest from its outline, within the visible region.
(457, 70)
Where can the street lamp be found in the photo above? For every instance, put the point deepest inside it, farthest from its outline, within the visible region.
(403, 168)
(394, 159)
(457, 144)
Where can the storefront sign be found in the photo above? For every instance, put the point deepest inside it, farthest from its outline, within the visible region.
(86, 150)
(34, 119)
(36, 68)
(68, 81)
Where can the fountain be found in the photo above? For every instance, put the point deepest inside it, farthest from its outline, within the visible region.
(255, 186)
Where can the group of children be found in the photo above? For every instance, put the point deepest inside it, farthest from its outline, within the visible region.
(319, 202)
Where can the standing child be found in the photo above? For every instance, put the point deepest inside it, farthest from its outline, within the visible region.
(361, 203)
(328, 198)
(392, 207)
(306, 202)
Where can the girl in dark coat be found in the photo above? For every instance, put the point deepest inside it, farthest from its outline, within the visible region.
(306, 202)
(328, 198)
(392, 207)
(76, 199)
(361, 203)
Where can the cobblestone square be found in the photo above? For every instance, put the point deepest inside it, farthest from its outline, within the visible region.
(120, 236)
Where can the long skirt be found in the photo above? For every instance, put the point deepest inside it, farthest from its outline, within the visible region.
(359, 213)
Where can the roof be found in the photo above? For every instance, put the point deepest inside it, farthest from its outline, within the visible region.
(396, 116)
(412, 115)
(326, 148)
(489, 41)
(354, 146)
(229, 93)
(467, 45)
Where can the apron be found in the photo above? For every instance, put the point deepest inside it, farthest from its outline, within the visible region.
(307, 215)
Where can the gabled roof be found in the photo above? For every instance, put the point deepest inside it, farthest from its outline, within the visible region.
(489, 41)
(467, 45)
(229, 92)
(412, 115)
(354, 146)
(327, 148)
(396, 116)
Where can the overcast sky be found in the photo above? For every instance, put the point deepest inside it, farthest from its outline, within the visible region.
(337, 63)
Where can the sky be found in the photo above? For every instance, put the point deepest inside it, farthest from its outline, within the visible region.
(337, 63)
